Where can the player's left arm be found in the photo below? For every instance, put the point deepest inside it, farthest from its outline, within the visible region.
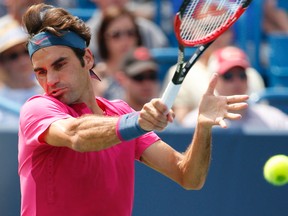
(189, 169)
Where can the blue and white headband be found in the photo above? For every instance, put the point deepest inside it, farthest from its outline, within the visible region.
(46, 39)
(68, 38)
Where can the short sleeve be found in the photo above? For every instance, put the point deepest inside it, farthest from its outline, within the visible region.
(37, 114)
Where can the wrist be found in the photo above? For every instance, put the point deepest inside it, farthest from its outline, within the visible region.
(128, 127)
(204, 122)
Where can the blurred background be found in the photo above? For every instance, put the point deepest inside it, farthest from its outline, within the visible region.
(235, 184)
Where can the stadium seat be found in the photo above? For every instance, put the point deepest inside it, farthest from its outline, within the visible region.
(85, 4)
(167, 57)
(249, 36)
(283, 4)
(278, 46)
(274, 96)
(278, 76)
(277, 70)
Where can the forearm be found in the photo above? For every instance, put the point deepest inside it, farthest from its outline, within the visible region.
(94, 133)
(87, 133)
(196, 160)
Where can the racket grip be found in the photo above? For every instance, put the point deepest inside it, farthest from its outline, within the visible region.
(170, 94)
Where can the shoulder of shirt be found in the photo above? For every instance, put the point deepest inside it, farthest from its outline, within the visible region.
(44, 96)
(117, 105)
(40, 101)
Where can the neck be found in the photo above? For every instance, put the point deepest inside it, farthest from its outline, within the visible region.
(90, 101)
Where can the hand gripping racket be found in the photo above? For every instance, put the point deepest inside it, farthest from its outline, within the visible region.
(197, 24)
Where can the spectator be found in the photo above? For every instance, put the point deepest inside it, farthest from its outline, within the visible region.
(16, 8)
(151, 35)
(118, 33)
(197, 79)
(18, 83)
(139, 78)
(231, 63)
(275, 19)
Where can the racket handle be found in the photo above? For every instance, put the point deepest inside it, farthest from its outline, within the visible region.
(170, 94)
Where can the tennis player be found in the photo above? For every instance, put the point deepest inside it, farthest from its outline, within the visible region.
(77, 151)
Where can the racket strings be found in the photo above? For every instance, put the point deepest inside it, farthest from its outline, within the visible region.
(204, 17)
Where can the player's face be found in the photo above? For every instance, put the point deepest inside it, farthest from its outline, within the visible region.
(59, 72)
(233, 82)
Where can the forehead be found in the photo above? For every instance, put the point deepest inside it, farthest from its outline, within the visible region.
(48, 55)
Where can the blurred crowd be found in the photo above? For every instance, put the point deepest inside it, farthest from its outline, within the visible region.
(123, 34)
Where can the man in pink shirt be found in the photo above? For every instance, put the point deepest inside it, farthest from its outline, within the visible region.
(77, 151)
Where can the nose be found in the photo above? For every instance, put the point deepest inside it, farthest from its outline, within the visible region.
(52, 78)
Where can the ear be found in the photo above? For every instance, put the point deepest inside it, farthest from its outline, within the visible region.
(88, 58)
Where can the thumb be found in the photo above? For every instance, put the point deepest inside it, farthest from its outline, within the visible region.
(212, 84)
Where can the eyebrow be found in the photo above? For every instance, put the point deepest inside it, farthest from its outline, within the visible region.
(57, 61)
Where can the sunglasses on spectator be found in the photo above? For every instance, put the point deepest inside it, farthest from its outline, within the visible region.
(121, 33)
(14, 55)
(228, 76)
(145, 76)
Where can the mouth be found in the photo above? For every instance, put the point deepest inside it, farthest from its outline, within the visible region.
(57, 92)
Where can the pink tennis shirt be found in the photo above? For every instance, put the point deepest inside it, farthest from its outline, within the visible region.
(57, 181)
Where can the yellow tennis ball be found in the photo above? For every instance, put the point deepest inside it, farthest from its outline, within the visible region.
(276, 170)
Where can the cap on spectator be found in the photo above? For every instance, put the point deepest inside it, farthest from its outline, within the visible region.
(222, 60)
(138, 61)
(11, 33)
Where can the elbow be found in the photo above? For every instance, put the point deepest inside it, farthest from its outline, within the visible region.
(193, 187)
(78, 146)
(193, 184)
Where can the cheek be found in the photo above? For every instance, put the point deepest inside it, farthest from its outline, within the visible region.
(42, 83)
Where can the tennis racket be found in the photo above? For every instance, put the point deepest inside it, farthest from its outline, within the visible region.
(197, 24)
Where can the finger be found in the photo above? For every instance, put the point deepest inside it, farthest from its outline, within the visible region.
(170, 116)
(237, 98)
(233, 116)
(221, 122)
(149, 123)
(212, 84)
(237, 106)
(152, 117)
(159, 105)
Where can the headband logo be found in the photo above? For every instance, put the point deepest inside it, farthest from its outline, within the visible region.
(38, 42)
(47, 39)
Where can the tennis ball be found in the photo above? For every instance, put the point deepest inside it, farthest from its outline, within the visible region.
(276, 170)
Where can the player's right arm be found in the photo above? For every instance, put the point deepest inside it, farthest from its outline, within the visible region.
(95, 132)
(86, 133)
